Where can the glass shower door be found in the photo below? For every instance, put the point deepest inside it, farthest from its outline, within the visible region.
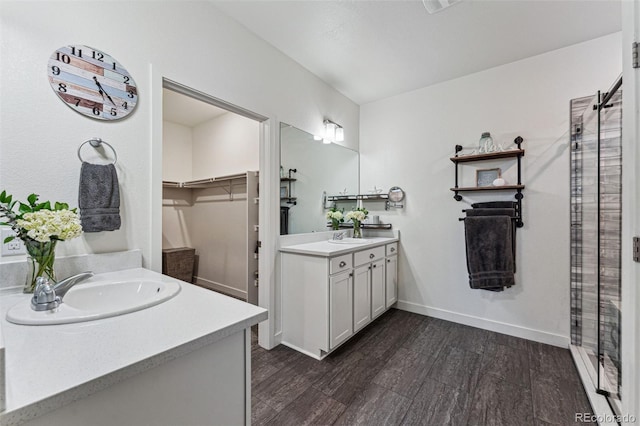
(596, 188)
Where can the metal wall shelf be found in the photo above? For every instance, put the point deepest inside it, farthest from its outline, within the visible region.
(514, 153)
(370, 197)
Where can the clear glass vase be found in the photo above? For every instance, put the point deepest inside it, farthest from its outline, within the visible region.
(40, 260)
(357, 230)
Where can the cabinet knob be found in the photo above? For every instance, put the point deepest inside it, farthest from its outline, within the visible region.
(371, 256)
(369, 267)
(343, 264)
(392, 249)
(388, 260)
(375, 266)
(351, 274)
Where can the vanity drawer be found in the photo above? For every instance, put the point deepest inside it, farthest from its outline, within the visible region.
(392, 249)
(340, 263)
(370, 255)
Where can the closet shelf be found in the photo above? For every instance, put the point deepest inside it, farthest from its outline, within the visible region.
(206, 183)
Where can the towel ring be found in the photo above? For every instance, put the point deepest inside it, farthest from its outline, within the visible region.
(97, 142)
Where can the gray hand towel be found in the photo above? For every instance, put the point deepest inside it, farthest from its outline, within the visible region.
(497, 211)
(99, 198)
(489, 252)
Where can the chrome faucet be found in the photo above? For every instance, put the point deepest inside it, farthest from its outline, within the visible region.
(47, 296)
(339, 235)
(62, 287)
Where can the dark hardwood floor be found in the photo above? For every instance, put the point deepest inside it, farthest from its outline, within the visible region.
(408, 369)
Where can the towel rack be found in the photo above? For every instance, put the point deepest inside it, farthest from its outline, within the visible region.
(96, 143)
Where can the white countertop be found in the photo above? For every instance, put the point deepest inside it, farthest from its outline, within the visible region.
(49, 366)
(327, 249)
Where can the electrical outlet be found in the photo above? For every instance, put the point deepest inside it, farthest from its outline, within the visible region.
(13, 247)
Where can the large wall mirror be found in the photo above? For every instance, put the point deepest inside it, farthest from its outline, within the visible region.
(320, 168)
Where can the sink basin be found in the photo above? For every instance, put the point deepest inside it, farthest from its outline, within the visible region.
(350, 241)
(92, 301)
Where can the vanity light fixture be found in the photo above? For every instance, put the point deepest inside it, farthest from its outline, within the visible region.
(332, 132)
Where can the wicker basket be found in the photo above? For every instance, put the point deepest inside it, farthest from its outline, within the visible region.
(178, 263)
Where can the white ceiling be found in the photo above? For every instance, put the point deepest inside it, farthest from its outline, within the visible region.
(369, 50)
(187, 111)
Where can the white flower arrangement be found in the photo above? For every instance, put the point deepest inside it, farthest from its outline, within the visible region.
(336, 217)
(356, 216)
(47, 225)
(40, 226)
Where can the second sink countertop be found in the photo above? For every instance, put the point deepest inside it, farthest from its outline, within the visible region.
(83, 358)
(326, 249)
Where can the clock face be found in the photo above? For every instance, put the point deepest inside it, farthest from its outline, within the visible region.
(92, 82)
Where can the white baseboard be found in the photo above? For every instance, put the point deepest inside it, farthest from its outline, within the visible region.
(232, 291)
(486, 324)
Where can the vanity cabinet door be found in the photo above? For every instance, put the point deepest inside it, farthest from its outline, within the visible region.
(340, 308)
(361, 297)
(378, 302)
(391, 272)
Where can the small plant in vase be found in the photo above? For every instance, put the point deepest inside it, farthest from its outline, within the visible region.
(357, 216)
(336, 217)
(40, 226)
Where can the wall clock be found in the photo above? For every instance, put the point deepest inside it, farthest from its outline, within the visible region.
(92, 83)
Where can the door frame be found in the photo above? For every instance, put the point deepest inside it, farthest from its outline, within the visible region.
(268, 230)
(630, 327)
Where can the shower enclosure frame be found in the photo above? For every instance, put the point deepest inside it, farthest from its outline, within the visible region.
(605, 364)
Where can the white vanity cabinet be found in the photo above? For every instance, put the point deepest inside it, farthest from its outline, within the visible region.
(331, 291)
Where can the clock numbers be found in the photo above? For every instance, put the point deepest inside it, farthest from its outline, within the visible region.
(63, 57)
(98, 56)
(92, 82)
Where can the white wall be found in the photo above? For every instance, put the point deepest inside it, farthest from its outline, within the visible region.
(177, 152)
(407, 140)
(189, 42)
(226, 145)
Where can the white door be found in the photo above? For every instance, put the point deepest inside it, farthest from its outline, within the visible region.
(377, 288)
(361, 297)
(340, 308)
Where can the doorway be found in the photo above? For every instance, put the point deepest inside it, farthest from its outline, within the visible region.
(210, 194)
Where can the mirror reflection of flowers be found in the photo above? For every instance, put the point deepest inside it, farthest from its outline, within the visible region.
(357, 216)
(40, 226)
(336, 217)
